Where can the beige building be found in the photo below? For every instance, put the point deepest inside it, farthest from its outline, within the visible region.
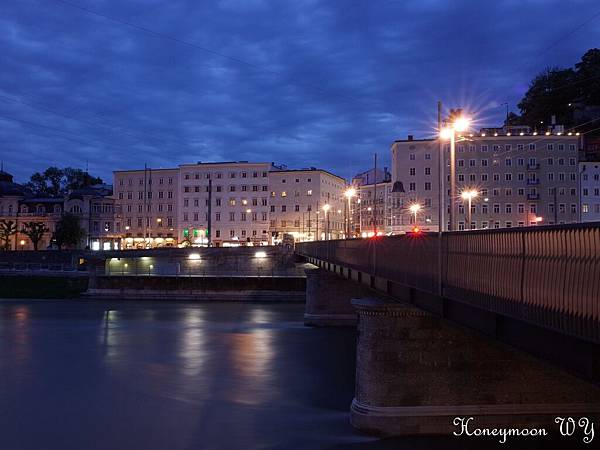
(520, 179)
(251, 204)
(146, 207)
(373, 209)
(307, 203)
(240, 203)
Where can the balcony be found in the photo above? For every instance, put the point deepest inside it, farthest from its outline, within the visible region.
(533, 196)
(533, 166)
(531, 182)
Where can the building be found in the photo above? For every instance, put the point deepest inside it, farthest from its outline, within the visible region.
(371, 176)
(146, 207)
(306, 203)
(589, 173)
(240, 203)
(522, 179)
(373, 209)
(92, 205)
(251, 203)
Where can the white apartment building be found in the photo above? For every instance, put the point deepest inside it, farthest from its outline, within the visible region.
(251, 204)
(589, 173)
(146, 207)
(520, 179)
(306, 203)
(240, 202)
(373, 209)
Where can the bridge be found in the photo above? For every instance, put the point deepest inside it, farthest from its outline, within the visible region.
(436, 312)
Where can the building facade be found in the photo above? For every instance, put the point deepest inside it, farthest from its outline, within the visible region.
(589, 173)
(240, 203)
(306, 203)
(520, 180)
(146, 207)
(251, 203)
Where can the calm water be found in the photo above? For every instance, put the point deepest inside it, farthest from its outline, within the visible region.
(149, 375)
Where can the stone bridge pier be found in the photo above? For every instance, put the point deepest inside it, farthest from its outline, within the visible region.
(416, 372)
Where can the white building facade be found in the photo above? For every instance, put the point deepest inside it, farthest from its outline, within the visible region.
(146, 207)
(520, 180)
(589, 173)
(306, 203)
(240, 194)
(251, 203)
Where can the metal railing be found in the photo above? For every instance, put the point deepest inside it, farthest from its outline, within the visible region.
(549, 276)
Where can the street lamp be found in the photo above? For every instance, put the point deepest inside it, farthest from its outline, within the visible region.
(349, 193)
(469, 195)
(22, 242)
(459, 124)
(415, 208)
(326, 209)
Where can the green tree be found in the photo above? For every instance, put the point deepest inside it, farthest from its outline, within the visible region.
(35, 232)
(588, 77)
(549, 94)
(8, 228)
(69, 232)
(54, 182)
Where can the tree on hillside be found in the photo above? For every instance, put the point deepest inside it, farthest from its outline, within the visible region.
(54, 182)
(8, 228)
(69, 232)
(559, 92)
(588, 77)
(549, 94)
(35, 232)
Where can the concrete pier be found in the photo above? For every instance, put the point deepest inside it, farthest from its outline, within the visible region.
(329, 299)
(416, 373)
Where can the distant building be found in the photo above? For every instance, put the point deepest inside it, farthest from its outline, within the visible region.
(298, 200)
(146, 207)
(520, 179)
(252, 203)
(93, 206)
(590, 191)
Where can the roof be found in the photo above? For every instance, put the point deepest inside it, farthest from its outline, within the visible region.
(312, 169)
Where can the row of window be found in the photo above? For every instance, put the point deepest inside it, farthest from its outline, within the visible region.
(243, 216)
(141, 181)
(219, 175)
(509, 147)
(497, 208)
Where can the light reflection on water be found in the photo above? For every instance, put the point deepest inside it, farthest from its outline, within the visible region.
(171, 375)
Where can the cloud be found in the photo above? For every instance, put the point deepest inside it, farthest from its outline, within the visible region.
(304, 83)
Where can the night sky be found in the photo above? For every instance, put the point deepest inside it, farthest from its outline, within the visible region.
(121, 83)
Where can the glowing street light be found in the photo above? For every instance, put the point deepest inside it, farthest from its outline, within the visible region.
(349, 193)
(460, 124)
(415, 208)
(469, 195)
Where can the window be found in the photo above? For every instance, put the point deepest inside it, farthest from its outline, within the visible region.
(412, 171)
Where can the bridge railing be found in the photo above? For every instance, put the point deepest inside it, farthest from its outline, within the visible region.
(549, 276)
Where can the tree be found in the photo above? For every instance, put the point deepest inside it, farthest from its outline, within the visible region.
(35, 232)
(588, 77)
(549, 94)
(55, 182)
(8, 228)
(68, 231)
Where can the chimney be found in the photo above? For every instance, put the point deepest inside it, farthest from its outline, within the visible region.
(410, 137)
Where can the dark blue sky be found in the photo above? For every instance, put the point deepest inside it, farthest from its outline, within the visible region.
(303, 82)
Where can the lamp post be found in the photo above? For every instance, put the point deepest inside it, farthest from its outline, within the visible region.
(469, 195)
(414, 209)
(459, 124)
(326, 209)
(22, 242)
(350, 192)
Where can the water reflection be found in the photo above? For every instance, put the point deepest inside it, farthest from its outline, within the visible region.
(192, 348)
(188, 375)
